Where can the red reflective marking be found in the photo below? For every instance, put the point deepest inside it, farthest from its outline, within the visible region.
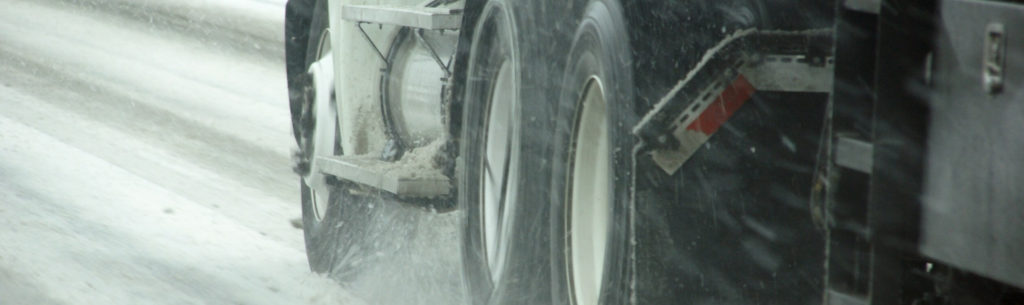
(723, 107)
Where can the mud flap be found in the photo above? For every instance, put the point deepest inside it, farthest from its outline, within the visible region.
(724, 168)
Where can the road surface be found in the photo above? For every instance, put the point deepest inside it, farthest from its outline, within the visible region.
(144, 160)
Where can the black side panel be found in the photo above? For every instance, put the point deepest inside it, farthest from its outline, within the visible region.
(852, 99)
(901, 119)
(973, 213)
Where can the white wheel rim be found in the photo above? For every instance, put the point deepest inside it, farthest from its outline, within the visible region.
(500, 169)
(590, 205)
(325, 128)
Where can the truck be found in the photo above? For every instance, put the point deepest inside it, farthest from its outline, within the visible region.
(667, 151)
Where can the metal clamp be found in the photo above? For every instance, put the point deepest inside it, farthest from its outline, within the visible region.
(994, 53)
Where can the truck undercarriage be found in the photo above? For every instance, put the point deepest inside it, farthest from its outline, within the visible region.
(769, 152)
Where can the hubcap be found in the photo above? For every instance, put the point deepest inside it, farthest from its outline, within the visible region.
(500, 168)
(325, 125)
(590, 205)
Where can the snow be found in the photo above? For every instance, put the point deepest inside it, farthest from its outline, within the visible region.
(143, 163)
(245, 101)
(419, 160)
(144, 159)
(84, 231)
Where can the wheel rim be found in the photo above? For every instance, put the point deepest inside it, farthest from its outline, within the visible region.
(325, 123)
(499, 170)
(589, 207)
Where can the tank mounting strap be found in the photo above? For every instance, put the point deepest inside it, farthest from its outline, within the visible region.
(416, 18)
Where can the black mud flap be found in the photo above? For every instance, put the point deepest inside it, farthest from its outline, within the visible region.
(724, 172)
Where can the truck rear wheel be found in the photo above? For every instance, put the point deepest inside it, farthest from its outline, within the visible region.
(489, 156)
(318, 137)
(592, 164)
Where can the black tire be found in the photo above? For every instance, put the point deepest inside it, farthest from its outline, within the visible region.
(317, 225)
(523, 281)
(601, 50)
(488, 47)
(298, 17)
(320, 247)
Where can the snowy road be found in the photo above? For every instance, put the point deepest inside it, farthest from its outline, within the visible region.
(144, 156)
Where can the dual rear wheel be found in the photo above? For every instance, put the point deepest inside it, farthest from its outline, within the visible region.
(545, 170)
(545, 204)
(545, 193)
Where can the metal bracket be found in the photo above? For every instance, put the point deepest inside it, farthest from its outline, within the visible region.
(728, 74)
(433, 53)
(387, 64)
(417, 19)
(395, 178)
(789, 73)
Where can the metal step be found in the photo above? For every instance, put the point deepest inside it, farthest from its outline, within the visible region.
(394, 177)
(854, 154)
(833, 297)
(428, 18)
